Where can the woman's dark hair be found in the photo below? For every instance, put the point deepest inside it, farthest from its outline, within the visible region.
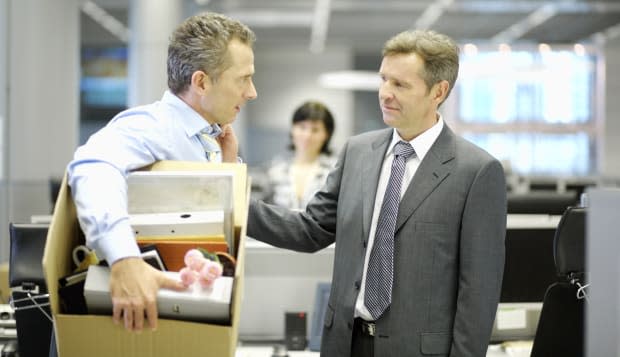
(315, 111)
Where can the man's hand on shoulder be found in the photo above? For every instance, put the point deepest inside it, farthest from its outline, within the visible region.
(133, 286)
(229, 144)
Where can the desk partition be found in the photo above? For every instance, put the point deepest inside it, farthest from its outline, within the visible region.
(603, 267)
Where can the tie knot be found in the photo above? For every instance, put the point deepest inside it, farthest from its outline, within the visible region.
(403, 149)
(212, 131)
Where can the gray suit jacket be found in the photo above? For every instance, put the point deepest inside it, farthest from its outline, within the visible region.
(449, 246)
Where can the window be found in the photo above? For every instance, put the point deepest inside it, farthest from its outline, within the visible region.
(535, 109)
(103, 84)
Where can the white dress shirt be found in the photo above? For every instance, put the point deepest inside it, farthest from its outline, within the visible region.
(421, 144)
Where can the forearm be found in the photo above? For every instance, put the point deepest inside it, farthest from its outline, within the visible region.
(100, 195)
(287, 229)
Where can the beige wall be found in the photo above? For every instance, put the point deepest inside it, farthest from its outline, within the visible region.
(40, 47)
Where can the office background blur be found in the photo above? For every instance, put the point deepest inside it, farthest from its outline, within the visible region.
(538, 88)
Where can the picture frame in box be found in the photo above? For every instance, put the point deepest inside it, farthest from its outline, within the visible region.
(182, 205)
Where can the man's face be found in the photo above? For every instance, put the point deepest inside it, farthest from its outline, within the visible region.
(406, 102)
(233, 88)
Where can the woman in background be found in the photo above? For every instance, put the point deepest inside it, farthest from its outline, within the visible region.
(294, 179)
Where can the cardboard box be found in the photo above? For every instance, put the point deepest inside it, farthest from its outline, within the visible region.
(5, 292)
(98, 336)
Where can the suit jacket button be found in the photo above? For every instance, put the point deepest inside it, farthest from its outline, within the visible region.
(357, 285)
(350, 325)
(365, 244)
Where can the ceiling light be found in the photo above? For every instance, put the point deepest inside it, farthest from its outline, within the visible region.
(544, 48)
(105, 20)
(580, 50)
(351, 80)
(470, 49)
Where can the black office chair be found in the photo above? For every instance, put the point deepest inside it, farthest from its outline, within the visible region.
(29, 296)
(560, 330)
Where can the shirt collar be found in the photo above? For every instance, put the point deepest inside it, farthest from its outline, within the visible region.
(192, 122)
(421, 143)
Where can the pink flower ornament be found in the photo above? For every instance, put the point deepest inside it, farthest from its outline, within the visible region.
(194, 259)
(200, 269)
(209, 272)
(188, 276)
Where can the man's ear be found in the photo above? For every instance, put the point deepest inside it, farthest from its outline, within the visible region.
(440, 91)
(200, 83)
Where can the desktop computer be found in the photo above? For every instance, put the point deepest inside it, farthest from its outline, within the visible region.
(8, 332)
(528, 272)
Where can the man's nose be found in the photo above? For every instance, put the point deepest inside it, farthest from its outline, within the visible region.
(251, 94)
(384, 93)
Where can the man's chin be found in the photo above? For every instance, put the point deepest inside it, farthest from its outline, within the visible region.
(228, 120)
(389, 120)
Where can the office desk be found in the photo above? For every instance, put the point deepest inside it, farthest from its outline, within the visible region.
(513, 350)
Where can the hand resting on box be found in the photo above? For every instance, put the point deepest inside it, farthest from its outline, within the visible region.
(133, 287)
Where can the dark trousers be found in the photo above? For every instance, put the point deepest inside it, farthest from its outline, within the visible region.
(362, 344)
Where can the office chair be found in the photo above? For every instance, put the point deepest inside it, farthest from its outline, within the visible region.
(29, 296)
(560, 330)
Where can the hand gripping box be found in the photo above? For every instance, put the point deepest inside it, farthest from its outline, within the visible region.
(97, 335)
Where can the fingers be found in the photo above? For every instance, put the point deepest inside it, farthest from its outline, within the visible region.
(138, 317)
(171, 284)
(134, 285)
(151, 315)
(117, 311)
(132, 312)
(128, 317)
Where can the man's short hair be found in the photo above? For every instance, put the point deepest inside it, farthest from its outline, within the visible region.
(200, 43)
(439, 53)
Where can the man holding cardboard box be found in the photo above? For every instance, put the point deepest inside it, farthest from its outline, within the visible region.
(210, 69)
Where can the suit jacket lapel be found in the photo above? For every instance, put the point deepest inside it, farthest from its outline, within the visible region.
(371, 169)
(435, 167)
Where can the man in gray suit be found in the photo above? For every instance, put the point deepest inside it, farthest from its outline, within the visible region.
(431, 284)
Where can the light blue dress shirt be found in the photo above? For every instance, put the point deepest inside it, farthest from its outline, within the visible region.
(165, 130)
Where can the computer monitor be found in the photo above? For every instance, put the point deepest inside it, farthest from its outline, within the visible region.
(541, 202)
(529, 270)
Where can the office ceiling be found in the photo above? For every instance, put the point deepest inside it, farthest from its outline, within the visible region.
(364, 25)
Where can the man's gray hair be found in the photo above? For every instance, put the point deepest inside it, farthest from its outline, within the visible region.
(200, 43)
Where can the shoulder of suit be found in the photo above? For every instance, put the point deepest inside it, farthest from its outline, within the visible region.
(370, 136)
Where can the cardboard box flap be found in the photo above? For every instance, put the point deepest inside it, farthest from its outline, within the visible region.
(62, 235)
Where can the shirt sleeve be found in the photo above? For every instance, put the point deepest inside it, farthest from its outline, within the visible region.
(97, 177)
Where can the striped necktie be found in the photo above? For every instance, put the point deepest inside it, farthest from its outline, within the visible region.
(211, 146)
(380, 273)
